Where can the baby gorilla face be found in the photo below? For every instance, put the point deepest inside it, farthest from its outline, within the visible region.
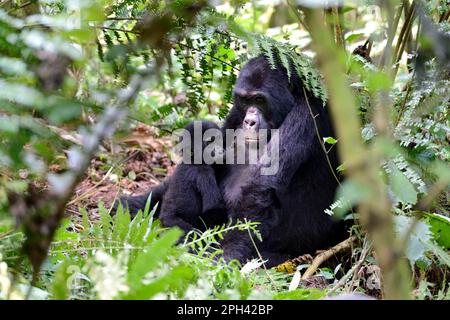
(205, 143)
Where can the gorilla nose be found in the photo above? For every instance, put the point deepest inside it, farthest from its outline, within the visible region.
(249, 123)
(251, 120)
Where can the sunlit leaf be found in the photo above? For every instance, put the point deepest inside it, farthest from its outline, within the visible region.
(402, 187)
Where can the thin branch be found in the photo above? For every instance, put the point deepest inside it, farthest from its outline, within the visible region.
(403, 36)
(362, 161)
(116, 29)
(330, 166)
(124, 18)
(387, 52)
(338, 27)
(3, 3)
(324, 256)
(23, 5)
(366, 247)
(444, 16)
(425, 203)
(405, 100)
(364, 253)
(260, 257)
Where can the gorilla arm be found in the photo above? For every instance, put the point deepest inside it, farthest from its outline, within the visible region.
(297, 139)
(209, 190)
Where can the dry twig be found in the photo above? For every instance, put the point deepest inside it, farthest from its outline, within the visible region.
(355, 269)
(319, 259)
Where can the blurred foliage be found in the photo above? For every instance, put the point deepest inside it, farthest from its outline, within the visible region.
(63, 62)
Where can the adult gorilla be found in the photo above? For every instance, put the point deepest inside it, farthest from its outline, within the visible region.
(289, 204)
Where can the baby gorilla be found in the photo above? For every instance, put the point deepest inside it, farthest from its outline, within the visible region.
(193, 198)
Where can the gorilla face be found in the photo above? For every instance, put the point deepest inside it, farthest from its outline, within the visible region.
(262, 98)
(253, 106)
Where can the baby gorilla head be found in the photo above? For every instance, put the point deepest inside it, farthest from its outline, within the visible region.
(201, 143)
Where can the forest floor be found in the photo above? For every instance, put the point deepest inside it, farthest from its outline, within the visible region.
(130, 167)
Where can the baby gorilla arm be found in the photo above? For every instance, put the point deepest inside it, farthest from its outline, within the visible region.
(209, 190)
(188, 202)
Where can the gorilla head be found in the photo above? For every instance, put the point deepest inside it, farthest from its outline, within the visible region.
(200, 143)
(262, 97)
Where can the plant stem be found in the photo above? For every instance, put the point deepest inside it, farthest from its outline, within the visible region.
(403, 37)
(392, 27)
(338, 28)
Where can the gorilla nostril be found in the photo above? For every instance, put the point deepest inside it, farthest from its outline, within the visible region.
(250, 122)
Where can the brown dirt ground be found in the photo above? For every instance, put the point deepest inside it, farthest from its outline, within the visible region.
(140, 161)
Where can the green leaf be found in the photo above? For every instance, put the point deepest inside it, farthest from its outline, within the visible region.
(402, 187)
(133, 233)
(353, 37)
(437, 251)
(173, 280)
(9, 124)
(300, 294)
(62, 234)
(21, 94)
(440, 227)
(105, 221)
(148, 259)
(59, 289)
(85, 220)
(121, 225)
(415, 249)
(378, 81)
(62, 110)
(350, 193)
(329, 140)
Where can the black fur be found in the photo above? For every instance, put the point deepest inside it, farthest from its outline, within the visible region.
(290, 204)
(193, 198)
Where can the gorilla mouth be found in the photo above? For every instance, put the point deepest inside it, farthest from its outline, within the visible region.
(250, 136)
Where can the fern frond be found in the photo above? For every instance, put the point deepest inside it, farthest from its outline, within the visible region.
(292, 61)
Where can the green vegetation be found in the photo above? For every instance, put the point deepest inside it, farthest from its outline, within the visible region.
(78, 78)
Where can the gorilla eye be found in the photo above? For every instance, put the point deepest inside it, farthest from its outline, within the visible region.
(259, 99)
